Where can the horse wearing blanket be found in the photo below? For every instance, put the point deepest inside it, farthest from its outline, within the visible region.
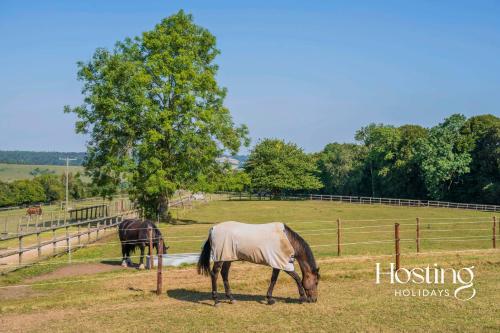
(271, 244)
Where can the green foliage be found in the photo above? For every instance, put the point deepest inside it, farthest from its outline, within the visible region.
(391, 159)
(28, 191)
(457, 160)
(52, 186)
(276, 167)
(341, 168)
(155, 113)
(445, 156)
(483, 181)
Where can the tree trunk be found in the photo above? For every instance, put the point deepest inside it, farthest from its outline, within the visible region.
(163, 213)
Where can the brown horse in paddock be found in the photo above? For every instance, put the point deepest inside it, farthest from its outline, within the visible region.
(134, 234)
(34, 210)
(271, 244)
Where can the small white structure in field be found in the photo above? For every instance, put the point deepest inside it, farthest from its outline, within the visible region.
(175, 259)
(199, 196)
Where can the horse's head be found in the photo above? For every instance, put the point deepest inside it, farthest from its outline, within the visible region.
(157, 238)
(310, 282)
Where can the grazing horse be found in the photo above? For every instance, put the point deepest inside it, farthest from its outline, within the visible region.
(35, 210)
(272, 244)
(134, 234)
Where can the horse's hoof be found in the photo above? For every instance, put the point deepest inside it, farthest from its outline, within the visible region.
(232, 301)
(141, 267)
(124, 263)
(302, 300)
(270, 301)
(217, 304)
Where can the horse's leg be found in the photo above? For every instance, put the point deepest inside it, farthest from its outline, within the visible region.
(296, 277)
(127, 254)
(141, 263)
(225, 278)
(274, 278)
(124, 255)
(213, 274)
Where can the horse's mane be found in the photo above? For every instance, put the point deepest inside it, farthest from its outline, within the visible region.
(295, 237)
(156, 230)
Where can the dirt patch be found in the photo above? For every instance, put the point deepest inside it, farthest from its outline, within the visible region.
(17, 292)
(74, 270)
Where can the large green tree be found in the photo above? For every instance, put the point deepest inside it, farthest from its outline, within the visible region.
(275, 166)
(155, 113)
(341, 167)
(391, 164)
(482, 183)
(445, 156)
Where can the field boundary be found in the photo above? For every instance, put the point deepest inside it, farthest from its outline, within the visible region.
(93, 226)
(363, 200)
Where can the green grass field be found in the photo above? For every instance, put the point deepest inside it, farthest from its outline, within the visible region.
(10, 172)
(349, 299)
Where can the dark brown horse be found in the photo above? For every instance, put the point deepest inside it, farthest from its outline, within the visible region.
(35, 210)
(134, 234)
(307, 286)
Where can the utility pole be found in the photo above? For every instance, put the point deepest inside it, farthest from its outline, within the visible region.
(67, 159)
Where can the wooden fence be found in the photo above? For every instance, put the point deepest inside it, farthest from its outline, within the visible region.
(365, 200)
(85, 229)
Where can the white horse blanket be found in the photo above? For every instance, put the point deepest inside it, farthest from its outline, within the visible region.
(264, 244)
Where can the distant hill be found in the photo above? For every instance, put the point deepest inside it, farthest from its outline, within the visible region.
(39, 157)
(52, 158)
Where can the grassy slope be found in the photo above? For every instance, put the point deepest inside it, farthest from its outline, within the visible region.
(349, 299)
(10, 172)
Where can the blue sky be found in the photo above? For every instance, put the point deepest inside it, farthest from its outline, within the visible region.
(311, 72)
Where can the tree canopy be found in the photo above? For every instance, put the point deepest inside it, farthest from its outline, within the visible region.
(155, 113)
(275, 166)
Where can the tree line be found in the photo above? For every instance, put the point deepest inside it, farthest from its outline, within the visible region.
(156, 121)
(39, 157)
(42, 189)
(456, 160)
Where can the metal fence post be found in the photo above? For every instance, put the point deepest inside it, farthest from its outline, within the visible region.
(338, 238)
(396, 238)
(418, 235)
(494, 239)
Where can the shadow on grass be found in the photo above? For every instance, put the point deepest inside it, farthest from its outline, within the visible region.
(205, 298)
(187, 222)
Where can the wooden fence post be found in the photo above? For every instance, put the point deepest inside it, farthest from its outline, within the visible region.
(20, 249)
(159, 275)
(97, 231)
(39, 248)
(79, 242)
(88, 232)
(54, 250)
(68, 244)
(418, 235)
(494, 239)
(339, 250)
(150, 236)
(396, 238)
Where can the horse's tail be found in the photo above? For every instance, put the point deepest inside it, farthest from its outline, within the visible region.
(204, 261)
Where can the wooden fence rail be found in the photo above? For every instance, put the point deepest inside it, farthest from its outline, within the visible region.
(365, 200)
(92, 226)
